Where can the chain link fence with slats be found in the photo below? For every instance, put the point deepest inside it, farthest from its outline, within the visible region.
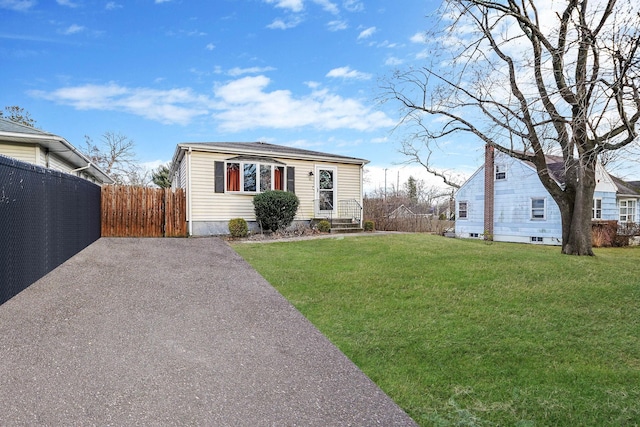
(46, 217)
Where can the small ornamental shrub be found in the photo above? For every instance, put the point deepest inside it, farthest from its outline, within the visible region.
(238, 227)
(369, 226)
(324, 226)
(276, 209)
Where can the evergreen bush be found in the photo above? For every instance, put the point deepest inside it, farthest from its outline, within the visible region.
(275, 209)
(238, 227)
(324, 226)
(369, 226)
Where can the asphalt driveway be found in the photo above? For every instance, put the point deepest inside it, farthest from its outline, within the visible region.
(173, 332)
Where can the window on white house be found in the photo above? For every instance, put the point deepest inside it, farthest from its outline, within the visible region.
(596, 211)
(501, 172)
(627, 210)
(538, 208)
(537, 239)
(463, 210)
(475, 235)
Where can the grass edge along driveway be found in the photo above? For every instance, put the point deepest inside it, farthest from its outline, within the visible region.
(459, 332)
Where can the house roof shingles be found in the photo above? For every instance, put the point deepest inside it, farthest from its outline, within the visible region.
(264, 148)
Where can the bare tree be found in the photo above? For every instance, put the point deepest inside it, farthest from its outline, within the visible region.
(531, 78)
(115, 154)
(19, 115)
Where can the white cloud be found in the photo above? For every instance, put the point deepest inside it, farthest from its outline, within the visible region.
(328, 6)
(113, 6)
(67, 3)
(337, 25)
(17, 5)
(237, 71)
(210, 46)
(280, 24)
(162, 1)
(238, 105)
(420, 37)
(393, 61)
(353, 5)
(348, 73)
(73, 29)
(246, 104)
(365, 34)
(293, 5)
(174, 106)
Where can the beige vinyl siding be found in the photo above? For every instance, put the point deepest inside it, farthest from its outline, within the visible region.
(207, 205)
(183, 173)
(22, 152)
(349, 183)
(56, 163)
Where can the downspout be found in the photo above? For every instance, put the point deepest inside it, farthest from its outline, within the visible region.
(81, 169)
(189, 221)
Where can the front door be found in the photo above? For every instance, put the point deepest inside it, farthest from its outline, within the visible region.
(326, 189)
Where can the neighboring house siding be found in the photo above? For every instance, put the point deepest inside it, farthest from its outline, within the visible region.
(472, 193)
(609, 205)
(22, 152)
(513, 206)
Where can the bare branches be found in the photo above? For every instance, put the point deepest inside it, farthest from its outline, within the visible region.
(116, 155)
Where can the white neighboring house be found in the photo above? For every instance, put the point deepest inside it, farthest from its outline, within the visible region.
(506, 199)
(45, 149)
(221, 178)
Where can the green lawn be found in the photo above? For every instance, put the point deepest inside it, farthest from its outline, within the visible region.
(462, 333)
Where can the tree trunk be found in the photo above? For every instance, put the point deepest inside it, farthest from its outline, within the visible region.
(575, 210)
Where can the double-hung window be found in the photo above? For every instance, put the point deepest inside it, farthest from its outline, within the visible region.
(596, 211)
(627, 210)
(500, 172)
(463, 210)
(538, 208)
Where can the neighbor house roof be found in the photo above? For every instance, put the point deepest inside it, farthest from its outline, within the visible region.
(556, 167)
(625, 188)
(262, 149)
(20, 134)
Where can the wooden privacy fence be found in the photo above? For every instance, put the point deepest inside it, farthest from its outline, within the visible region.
(143, 212)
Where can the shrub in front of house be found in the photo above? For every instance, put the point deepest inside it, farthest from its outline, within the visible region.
(369, 226)
(238, 227)
(324, 226)
(275, 209)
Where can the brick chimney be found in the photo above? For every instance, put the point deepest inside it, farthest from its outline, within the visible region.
(488, 191)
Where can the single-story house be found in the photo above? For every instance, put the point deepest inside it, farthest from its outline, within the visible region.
(221, 178)
(506, 199)
(45, 149)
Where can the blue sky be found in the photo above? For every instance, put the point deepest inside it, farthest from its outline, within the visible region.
(303, 73)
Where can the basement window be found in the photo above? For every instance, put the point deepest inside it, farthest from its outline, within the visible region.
(537, 239)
